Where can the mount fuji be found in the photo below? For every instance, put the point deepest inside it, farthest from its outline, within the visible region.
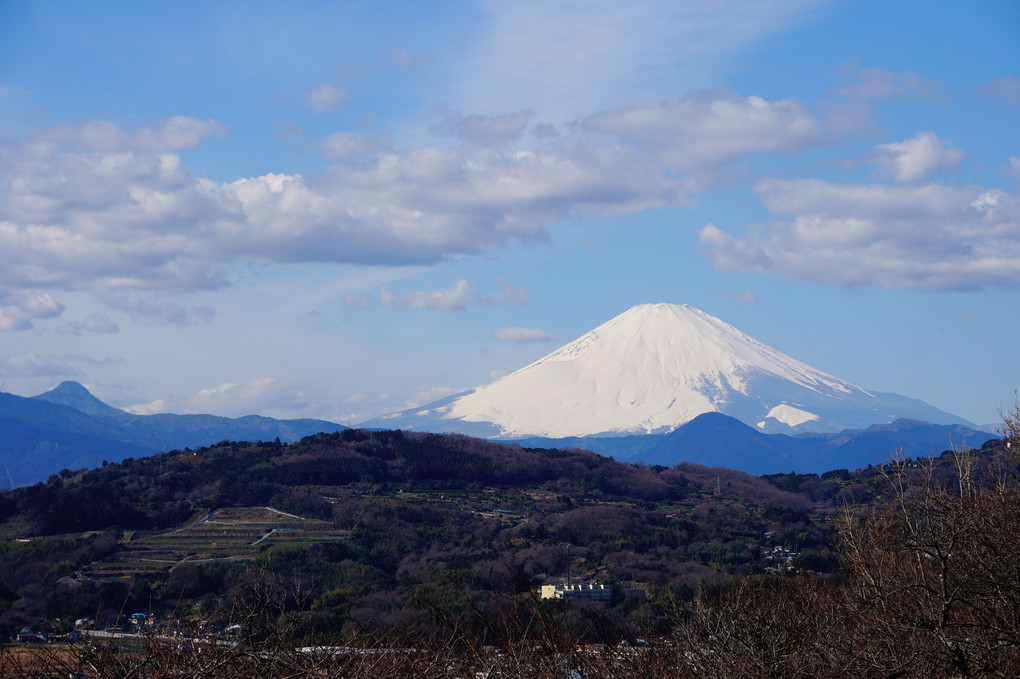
(652, 369)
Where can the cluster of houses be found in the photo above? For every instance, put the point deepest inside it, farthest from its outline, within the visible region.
(602, 594)
(779, 559)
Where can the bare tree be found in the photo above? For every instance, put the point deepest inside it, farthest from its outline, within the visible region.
(934, 573)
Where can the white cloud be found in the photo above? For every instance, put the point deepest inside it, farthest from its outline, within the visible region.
(326, 98)
(266, 396)
(700, 131)
(18, 310)
(345, 144)
(151, 408)
(263, 396)
(1006, 88)
(90, 360)
(480, 129)
(405, 58)
(851, 107)
(123, 216)
(1014, 168)
(521, 335)
(916, 158)
(423, 395)
(173, 134)
(109, 221)
(367, 398)
(873, 84)
(353, 302)
(744, 296)
(929, 237)
(159, 309)
(458, 298)
(94, 323)
(31, 364)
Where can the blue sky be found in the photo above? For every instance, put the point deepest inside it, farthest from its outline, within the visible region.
(339, 210)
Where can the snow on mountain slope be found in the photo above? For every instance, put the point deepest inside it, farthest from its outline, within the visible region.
(788, 415)
(650, 370)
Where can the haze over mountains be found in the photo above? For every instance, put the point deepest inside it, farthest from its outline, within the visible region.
(652, 369)
(69, 428)
(660, 383)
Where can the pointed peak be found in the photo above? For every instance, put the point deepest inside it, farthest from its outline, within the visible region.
(666, 310)
(667, 318)
(661, 306)
(73, 394)
(70, 387)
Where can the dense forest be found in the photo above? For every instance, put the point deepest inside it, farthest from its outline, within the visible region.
(397, 531)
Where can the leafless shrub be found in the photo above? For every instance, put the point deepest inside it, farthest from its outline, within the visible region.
(934, 574)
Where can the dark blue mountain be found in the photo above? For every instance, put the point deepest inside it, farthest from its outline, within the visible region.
(29, 454)
(718, 440)
(722, 441)
(69, 428)
(78, 397)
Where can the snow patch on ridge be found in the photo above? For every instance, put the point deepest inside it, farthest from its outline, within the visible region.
(788, 415)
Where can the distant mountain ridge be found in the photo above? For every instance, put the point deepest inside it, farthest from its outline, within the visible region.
(76, 396)
(68, 427)
(718, 440)
(652, 369)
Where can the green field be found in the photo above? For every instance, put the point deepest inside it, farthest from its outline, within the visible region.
(229, 534)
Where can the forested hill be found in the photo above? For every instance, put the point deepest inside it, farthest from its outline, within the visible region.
(160, 490)
(374, 528)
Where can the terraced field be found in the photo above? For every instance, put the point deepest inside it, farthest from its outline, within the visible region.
(232, 534)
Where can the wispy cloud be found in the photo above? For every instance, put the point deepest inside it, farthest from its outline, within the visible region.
(743, 296)
(566, 59)
(31, 364)
(267, 396)
(851, 107)
(151, 408)
(481, 129)
(1006, 88)
(521, 335)
(1013, 169)
(874, 84)
(404, 57)
(172, 134)
(162, 310)
(326, 98)
(423, 395)
(346, 144)
(94, 323)
(456, 298)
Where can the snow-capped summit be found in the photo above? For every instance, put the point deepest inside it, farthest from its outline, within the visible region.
(651, 369)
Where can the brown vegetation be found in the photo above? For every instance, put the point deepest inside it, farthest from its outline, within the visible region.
(928, 585)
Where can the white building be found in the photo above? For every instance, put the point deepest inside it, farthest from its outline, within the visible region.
(601, 593)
